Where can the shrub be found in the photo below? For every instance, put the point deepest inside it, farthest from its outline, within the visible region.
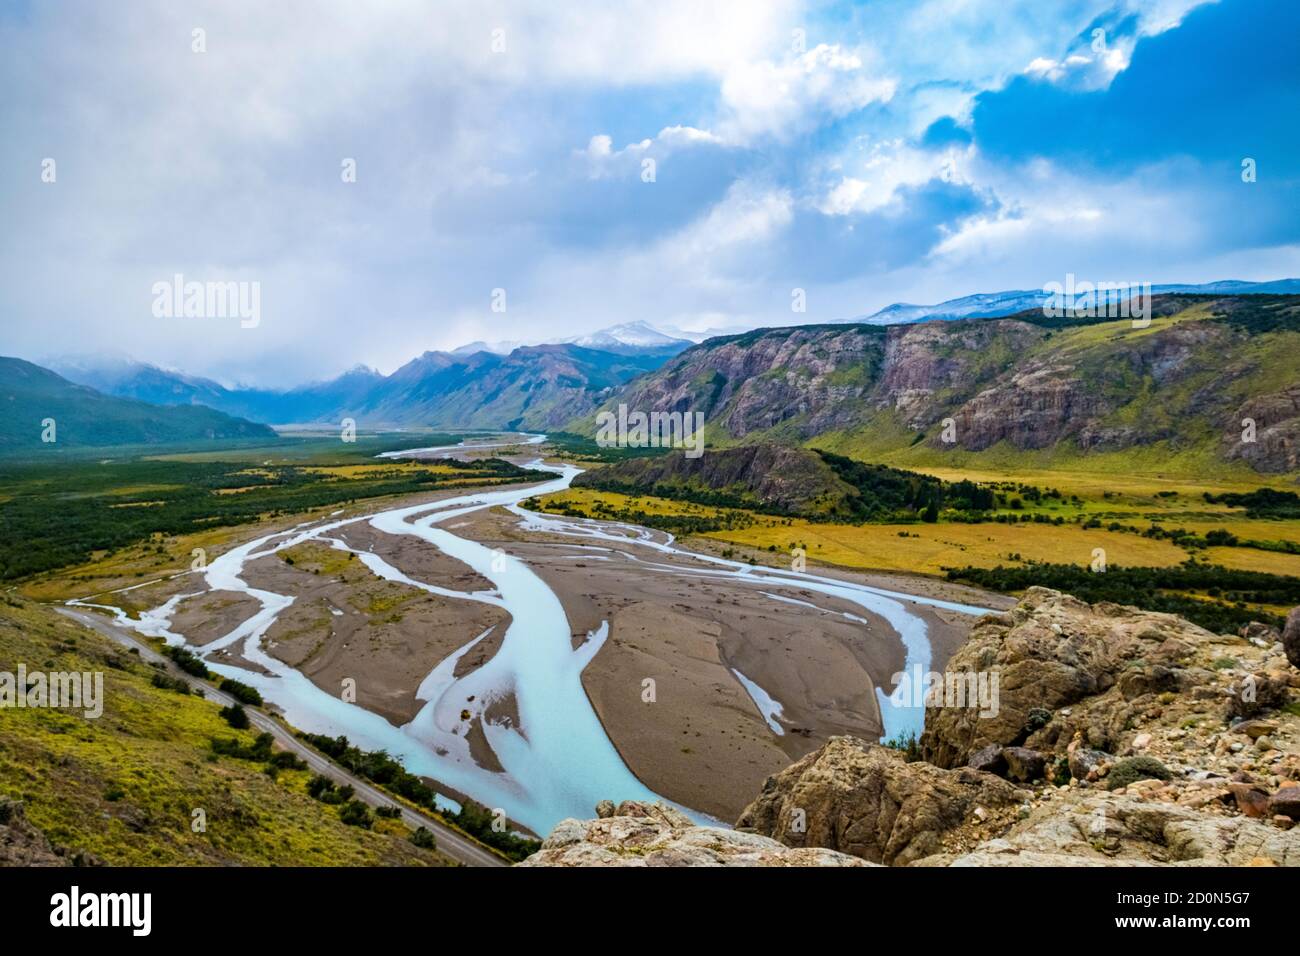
(284, 760)
(1132, 769)
(356, 814)
(187, 661)
(235, 716)
(241, 692)
(424, 839)
(167, 682)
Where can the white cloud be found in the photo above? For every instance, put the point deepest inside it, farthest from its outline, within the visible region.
(786, 98)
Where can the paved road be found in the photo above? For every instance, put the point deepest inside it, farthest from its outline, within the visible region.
(453, 844)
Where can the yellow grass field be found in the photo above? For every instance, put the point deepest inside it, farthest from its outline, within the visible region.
(920, 548)
(929, 549)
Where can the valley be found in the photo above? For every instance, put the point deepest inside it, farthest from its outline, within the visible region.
(486, 643)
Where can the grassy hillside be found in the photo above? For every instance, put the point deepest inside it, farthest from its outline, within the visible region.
(82, 417)
(123, 787)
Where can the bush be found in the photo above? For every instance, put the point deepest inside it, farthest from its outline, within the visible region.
(241, 692)
(908, 744)
(187, 662)
(424, 839)
(284, 760)
(259, 749)
(236, 717)
(1132, 769)
(167, 682)
(356, 814)
(388, 813)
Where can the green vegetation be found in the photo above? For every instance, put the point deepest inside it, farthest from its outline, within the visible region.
(574, 447)
(241, 691)
(381, 769)
(63, 512)
(123, 789)
(36, 397)
(887, 494)
(1132, 769)
(1223, 606)
(1261, 503)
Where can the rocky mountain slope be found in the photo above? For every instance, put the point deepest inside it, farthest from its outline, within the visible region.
(30, 395)
(531, 387)
(1121, 738)
(922, 393)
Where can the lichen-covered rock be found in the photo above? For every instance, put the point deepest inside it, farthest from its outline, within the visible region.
(1066, 668)
(867, 800)
(1094, 828)
(653, 834)
(21, 843)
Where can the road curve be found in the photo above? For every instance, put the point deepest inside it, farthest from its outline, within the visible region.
(453, 844)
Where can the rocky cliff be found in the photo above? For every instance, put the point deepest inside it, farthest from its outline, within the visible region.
(1023, 383)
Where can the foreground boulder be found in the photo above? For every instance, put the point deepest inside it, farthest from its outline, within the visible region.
(867, 800)
(1070, 672)
(1291, 637)
(1097, 828)
(1052, 651)
(652, 834)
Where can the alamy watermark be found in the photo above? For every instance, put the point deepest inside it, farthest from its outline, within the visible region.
(962, 689)
(655, 430)
(72, 690)
(177, 299)
(1113, 300)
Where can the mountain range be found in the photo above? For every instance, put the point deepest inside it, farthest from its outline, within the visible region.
(1210, 382)
(997, 304)
(911, 391)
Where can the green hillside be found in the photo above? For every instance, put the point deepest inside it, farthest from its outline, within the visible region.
(122, 788)
(82, 417)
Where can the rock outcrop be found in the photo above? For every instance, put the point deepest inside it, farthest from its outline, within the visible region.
(867, 800)
(1069, 670)
(1094, 828)
(22, 844)
(652, 834)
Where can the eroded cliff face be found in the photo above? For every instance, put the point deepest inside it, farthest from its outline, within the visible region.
(1187, 380)
(1121, 737)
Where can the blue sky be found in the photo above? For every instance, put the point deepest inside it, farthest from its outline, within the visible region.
(864, 152)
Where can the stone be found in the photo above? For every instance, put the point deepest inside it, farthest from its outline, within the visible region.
(989, 759)
(1024, 764)
(867, 800)
(1285, 802)
(662, 839)
(1085, 762)
(1291, 637)
(605, 809)
(1258, 693)
(1255, 728)
(1252, 800)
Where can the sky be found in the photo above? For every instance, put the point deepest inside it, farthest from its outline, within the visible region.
(529, 170)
